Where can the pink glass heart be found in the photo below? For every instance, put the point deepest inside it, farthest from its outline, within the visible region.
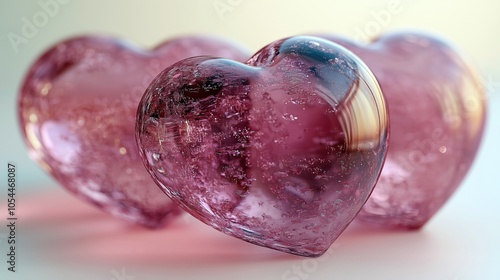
(77, 112)
(281, 151)
(437, 109)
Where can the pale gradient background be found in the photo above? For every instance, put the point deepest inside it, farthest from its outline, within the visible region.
(62, 238)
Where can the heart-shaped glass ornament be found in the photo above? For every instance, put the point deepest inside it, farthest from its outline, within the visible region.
(437, 107)
(281, 151)
(77, 110)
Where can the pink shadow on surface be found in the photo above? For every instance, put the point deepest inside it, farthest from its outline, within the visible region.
(58, 226)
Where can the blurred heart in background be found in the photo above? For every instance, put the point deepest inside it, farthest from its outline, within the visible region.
(437, 111)
(77, 110)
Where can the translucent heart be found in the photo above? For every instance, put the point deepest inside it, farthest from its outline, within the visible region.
(77, 112)
(281, 151)
(437, 107)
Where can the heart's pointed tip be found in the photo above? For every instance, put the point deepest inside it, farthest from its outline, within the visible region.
(159, 221)
(395, 224)
(299, 250)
